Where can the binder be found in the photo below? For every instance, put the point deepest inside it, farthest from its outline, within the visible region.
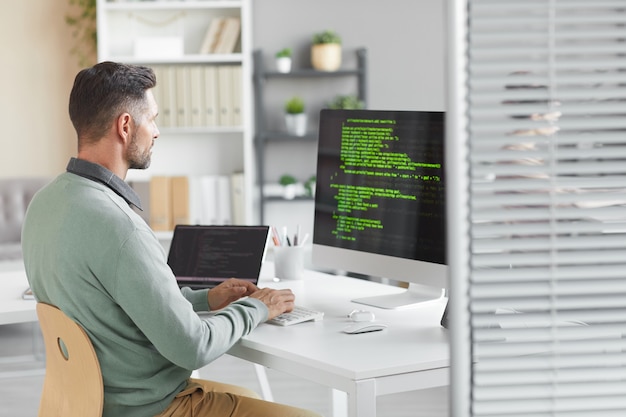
(180, 200)
(160, 203)
(237, 96)
(209, 201)
(224, 76)
(238, 198)
(183, 102)
(211, 93)
(170, 98)
(224, 214)
(157, 91)
(163, 101)
(195, 200)
(196, 96)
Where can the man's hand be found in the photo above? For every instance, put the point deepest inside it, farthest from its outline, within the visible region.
(277, 301)
(229, 291)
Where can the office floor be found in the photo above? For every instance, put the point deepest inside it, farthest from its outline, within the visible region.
(19, 395)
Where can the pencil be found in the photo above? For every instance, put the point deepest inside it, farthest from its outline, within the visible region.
(275, 236)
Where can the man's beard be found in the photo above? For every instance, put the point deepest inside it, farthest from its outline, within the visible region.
(136, 159)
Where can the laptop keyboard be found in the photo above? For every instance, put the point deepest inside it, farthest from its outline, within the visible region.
(298, 315)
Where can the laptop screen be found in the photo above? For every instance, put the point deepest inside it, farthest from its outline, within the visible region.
(204, 256)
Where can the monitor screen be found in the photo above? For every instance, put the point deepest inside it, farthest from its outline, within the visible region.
(379, 199)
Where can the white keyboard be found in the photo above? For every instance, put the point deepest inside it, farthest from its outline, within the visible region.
(298, 315)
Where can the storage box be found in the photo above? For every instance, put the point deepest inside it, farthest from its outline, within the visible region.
(158, 47)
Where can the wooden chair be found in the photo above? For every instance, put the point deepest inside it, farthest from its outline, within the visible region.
(73, 382)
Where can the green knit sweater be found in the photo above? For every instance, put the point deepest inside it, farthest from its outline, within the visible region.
(87, 252)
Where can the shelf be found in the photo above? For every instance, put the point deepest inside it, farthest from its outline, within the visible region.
(201, 130)
(170, 5)
(285, 200)
(284, 136)
(310, 73)
(264, 136)
(204, 99)
(236, 58)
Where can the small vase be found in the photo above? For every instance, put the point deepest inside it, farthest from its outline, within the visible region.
(283, 64)
(326, 56)
(296, 124)
(289, 191)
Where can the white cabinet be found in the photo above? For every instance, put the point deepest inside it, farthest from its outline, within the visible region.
(204, 98)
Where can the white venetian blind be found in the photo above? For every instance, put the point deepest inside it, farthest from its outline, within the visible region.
(546, 140)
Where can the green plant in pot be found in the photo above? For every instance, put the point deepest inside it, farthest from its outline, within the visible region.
(295, 117)
(283, 60)
(348, 102)
(326, 51)
(289, 184)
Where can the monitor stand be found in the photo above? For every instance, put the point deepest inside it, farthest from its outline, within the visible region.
(415, 295)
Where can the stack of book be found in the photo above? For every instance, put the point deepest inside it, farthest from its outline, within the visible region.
(203, 199)
(221, 36)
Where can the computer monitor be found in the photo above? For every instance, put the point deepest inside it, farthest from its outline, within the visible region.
(379, 200)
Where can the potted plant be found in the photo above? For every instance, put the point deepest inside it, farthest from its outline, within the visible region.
(348, 102)
(295, 117)
(289, 183)
(309, 186)
(283, 60)
(326, 51)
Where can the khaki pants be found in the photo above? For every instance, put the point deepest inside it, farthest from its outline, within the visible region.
(212, 399)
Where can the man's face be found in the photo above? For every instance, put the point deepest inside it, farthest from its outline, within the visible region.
(139, 151)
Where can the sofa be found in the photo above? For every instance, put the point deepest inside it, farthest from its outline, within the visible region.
(15, 195)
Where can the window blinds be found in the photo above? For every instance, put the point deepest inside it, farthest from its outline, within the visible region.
(544, 141)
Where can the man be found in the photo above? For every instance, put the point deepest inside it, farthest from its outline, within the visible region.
(87, 252)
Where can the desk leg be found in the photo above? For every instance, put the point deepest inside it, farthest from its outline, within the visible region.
(362, 399)
(339, 401)
(261, 376)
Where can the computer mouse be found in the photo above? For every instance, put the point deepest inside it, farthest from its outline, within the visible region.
(364, 327)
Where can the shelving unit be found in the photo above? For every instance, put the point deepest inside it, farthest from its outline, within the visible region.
(264, 137)
(170, 34)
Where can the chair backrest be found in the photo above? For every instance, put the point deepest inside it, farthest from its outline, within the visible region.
(73, 382)
(15, 196)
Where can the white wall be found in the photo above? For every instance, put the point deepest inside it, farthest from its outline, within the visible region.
(36, 74)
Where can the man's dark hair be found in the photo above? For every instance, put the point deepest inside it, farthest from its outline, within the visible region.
(102, 92)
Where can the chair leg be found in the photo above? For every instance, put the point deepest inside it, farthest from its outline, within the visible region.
(39, 348)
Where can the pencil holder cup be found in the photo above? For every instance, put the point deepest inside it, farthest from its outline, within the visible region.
(289, 262)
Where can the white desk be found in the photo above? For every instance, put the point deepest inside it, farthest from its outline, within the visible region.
(13, 309)
(411, 354)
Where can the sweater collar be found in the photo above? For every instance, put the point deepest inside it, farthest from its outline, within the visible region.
(100, 174)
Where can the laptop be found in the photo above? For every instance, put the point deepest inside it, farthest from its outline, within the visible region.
(203, 256)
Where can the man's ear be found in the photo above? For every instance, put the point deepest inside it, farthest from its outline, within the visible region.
(125, 126)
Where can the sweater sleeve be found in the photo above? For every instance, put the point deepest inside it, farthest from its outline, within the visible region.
(198, 298)
(147, 291)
